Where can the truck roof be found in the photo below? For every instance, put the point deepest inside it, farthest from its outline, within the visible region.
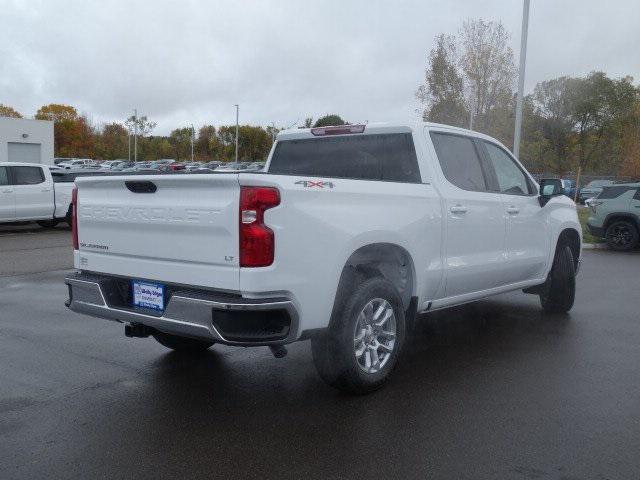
(383, 127)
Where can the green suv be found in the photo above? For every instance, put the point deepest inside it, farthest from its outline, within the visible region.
(615, 215)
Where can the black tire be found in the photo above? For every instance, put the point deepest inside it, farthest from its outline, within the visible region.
(334, 351)
(48, 223)
(181, 344)
(621, 235)
(560, 289)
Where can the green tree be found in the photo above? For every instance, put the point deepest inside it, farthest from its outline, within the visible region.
(329, 120)
(443, 92)
(112, 142)
(599, 106)
(180, 139)
(7, 111)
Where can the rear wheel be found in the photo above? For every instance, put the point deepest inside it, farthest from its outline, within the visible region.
(621, 235)
(181, 344)
(358, 352)
(560, 289)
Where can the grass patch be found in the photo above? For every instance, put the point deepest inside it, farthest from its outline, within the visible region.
(583, 215)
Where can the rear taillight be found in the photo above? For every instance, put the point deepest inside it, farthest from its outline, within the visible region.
(257, 243)
(74, 218)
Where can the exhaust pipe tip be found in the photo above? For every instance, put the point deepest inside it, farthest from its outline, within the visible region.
(279, 351)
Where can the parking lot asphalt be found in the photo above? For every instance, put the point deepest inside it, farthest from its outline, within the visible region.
(28, 248)
(491, 390)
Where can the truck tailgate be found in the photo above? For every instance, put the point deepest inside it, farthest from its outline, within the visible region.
(179, 229)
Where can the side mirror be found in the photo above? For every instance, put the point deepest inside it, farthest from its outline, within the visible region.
(549, 187)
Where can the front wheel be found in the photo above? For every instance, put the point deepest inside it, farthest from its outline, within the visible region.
(359, 350)
(560, 289)
(621, 235)
(181, 344)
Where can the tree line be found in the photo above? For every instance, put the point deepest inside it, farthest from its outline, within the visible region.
(75, 136)
(571, 125)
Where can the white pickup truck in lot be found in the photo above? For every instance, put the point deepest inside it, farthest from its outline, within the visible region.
(348, 234)
(28, 193)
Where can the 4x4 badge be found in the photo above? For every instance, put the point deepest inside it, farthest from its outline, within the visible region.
(314, 184)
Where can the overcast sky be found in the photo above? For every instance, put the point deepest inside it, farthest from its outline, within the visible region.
(184, 62)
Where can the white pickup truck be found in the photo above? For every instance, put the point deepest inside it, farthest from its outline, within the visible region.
(348, 234)
(28, 193)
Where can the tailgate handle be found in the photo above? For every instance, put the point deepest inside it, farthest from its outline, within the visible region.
(141, 187)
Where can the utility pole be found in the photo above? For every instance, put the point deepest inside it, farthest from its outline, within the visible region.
(472, 105)
(523, 60)
(129, 137)
(237, 117)
(135, 135)
(193, 132)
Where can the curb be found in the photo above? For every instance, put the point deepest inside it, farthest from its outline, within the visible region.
(594, 246)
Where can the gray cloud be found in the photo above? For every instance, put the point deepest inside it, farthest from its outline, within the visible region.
(189, 62)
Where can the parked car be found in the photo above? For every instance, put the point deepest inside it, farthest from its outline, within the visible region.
(78, 163)
(593, 189)
(568, 188)
(231, 167)
(255, 166)
(28, 193)
(350, 233)
(615, 215)
(59, 160)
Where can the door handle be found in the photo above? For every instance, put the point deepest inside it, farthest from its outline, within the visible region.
(7, 191)
(44, 190)
(457, 209)
(513, 210)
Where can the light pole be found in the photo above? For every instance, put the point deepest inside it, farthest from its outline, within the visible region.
(523, 60)
(237, 117)
(193, 132)
(135, 135)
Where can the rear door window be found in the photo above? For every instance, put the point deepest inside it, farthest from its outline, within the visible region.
(27, 175)
(389, 157)
(4, 176)
(460, 161)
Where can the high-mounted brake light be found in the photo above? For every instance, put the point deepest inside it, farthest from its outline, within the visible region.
(257, 242)
(74, 218)
(339, 130)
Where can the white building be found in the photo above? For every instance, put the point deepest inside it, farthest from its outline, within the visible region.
(26, 140)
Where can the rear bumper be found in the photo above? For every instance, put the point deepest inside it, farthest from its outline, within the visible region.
(220, 317)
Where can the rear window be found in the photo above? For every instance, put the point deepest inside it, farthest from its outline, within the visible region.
(614, 192)
(390, 157)
(27, 175)
(4, 176)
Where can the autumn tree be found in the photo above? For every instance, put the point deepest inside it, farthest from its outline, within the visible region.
(443, 90)
(472, 73)
(73, 136)
(7, 111)
(630, 144)
(488, 68)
